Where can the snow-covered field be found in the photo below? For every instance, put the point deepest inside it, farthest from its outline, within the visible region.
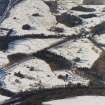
(78, 53)
(80, 100)
(47, 49)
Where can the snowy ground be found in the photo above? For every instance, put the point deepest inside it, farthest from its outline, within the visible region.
(52, 60)
(78, 53)
(80, 100)
(3, 98)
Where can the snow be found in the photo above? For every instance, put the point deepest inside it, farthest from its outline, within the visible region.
(3, 32)
(41, 76)
(67, 4)
(29, 7)
(82, 49)
(101, 40)
(3, 98)
(72, 77)
(29, 45)
(80, 100)
(3, 59)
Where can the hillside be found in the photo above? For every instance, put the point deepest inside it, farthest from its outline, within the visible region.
(45, 44)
